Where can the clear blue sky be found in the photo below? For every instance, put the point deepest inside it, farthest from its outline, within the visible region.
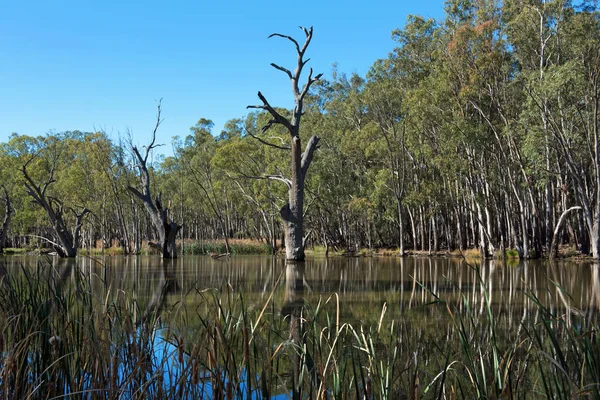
(90, 65)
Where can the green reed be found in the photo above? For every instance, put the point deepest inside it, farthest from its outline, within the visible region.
(60, 338)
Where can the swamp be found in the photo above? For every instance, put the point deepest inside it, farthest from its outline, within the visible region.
(426, 228)
(260, 327)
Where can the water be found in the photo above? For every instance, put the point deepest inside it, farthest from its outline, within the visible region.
(417, 295)
(357, 287)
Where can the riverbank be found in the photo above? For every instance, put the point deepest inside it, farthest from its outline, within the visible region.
(249, 247)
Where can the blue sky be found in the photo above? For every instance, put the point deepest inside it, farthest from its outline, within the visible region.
(91, 65)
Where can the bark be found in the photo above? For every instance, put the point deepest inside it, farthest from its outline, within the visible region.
(292, 213)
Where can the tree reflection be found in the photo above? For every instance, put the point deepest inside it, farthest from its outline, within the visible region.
(165, 284)
(293, 309)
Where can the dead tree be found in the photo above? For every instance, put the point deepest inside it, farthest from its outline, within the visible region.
(159, 215)
(66, 245)
(292, 213)
(8, 212)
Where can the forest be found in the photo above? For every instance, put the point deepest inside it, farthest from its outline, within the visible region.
(480, 130)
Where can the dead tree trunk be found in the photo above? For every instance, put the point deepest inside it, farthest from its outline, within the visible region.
(292, 213)
(159, 215)
(7, 217)
(67, 240)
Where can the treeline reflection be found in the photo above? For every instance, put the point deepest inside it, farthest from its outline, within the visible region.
(410, 287)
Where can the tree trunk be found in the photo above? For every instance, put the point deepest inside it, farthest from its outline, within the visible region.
(159, 215)
(555, 235)
(292, 213)
(8, 212)
(67, 241)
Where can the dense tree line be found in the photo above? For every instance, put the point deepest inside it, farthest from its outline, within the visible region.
(477, 131)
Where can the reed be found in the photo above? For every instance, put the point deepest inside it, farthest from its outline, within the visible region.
(62, 339)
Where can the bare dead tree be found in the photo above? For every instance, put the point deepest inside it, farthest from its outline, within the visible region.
(159, 215)
(8, 213)
(66, 246)
(292, 213)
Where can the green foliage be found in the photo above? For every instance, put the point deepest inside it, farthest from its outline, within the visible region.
(493, 107)
(214, 247)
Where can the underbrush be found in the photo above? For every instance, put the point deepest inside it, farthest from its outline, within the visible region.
(238, 246)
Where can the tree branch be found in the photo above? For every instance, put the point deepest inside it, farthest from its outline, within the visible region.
(268, 143)
(287, 71)
(281, 179)
(46, 239)
(137, 193)
(152, 143)
(291, 39)
(309, 83)
(277, 118)
(308, 153)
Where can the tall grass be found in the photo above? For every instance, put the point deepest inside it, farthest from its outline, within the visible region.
(61, 339)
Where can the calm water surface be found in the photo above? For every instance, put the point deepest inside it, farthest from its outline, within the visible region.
(410, 289)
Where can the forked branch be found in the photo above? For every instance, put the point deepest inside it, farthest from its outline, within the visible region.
(277, 118)
(293, 124)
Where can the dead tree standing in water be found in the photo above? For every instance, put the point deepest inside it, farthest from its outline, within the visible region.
(292, 212)
(159, 215)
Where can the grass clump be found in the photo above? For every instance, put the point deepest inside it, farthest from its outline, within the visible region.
(14, 250)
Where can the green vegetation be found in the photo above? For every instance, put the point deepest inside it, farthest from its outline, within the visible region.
(61, 338)
(479, 130)
(217, 247)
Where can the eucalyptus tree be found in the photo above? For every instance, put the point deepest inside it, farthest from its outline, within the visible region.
(260, 197)
(342, 183)
(196, 156)
(556, 46)
(115, 214)
(42, 159)
(383, 97)
(293, 212)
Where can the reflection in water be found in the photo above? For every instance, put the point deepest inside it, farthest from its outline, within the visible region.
(418, 293)
(407, 285)
(292, 310)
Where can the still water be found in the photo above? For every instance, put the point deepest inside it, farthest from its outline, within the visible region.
(358, 289)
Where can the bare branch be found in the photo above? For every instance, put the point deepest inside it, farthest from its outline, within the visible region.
(287, 71)
(277, 118)
(309, 83)
(308, 32)
(152, 143)
(137, 193)
(291, 39)
(280, 178)
(46, 239)
(268, 143)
